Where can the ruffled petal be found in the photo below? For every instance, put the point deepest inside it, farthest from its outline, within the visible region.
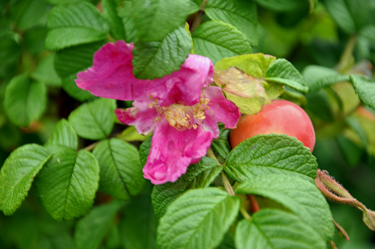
(111, 75)
(140, 116)
(220, 110)
(172, 151)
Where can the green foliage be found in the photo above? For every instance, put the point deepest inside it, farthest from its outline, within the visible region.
(197, 212)
(283, 6)
(94, 120)
(120, 170)
(64, 135)
(46, 73)
(68, 183)
(264, 229)
(365, 88)
(114, 20)
(24, 100)
(125, 11)
(75, 24)
(221, 144)
(17, 175)
(278, 154)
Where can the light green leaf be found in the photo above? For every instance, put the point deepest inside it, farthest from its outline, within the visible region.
(273, 153)
(94, 120)
(217, 40)
(90, 230)
(318, 77)
(115, 21)
(74, 24)
(68, 183)
(158, 58)
(121, 173)
(195, 214)
(17, 175)
(24, 101)
(154, 19)
(130, 134)
(64, 135)
(241, 14)
(198, 175)
(125, 11)
(283, 72)
(45, 72)
(365, 88)
(272, 228)
(300, 196)
(283, 6)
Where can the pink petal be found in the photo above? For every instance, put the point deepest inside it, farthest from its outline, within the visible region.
(220, 110)
(111, 75)
(172, 151)
(141, 116)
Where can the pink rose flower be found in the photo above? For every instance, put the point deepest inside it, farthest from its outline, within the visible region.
(181, 108)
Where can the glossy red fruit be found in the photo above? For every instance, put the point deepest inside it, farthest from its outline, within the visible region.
(280, 117)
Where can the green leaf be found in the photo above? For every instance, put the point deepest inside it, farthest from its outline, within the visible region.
(318, 77)
(90, 230)
(221, 144)
(125, 11)
(138, 227)
(144, 150)
(17, 175)
(368, 32)
(278, 154)
(29, 13)
(365, 88)
(283, 6)
(217, 40)
(154, 19)
(300, 196)
(195, 214)
(10, 50)
(241, 14)
(158, 58)
(74, 24)
(198, 175)
(24, 101)
(67, 183)
(68, 62)
(64, 135)
(45, 72)
(114, 20)
(94, 120)
(130, 134)
(283, 72)
(120, 170)
(271, 228)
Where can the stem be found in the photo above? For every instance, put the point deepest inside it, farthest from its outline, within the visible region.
(245, 214)
(227, 185)
(347, 56)
(198, 17)
(91, 146)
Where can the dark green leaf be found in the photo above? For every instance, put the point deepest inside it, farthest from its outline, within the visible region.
(120, 170)
(221, 144)
(45, 72)
(64, 135)
(196, 214)
(125, 11)
(278, 154)
(91, 229)
(115, 22)
(24, 101)
(300, 196)
(365, 88)
(10, 50)
(198, 175)
(70, 86)
(68, 183)
(144, 150)
(283, 6)
(94, 120)
(158, 58)
(74, 24)
(217, 40)
(29, 12)
(17, 175)
(154, 19)
(271, 228)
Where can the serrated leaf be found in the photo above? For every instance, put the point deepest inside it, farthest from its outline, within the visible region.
(115, 21)
(125, 11)
(318, 77)
(221, 144)
(24, 101)
(94, 120)
(300, 196)
(64, 135)
(90, 230)
(241, 14)
(283, 72)
(121, 173)
(74, 24)
(68, 183)
(194, 215)
(17, 175)
(264, 154)
(217, 40)
(158, 58)
(271, 228)
(144, 150)
(45, 72)
(365, 88)
(283, 6)
(154, 19)
(198, 175)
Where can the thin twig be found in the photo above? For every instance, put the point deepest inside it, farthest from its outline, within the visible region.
(198, 17)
